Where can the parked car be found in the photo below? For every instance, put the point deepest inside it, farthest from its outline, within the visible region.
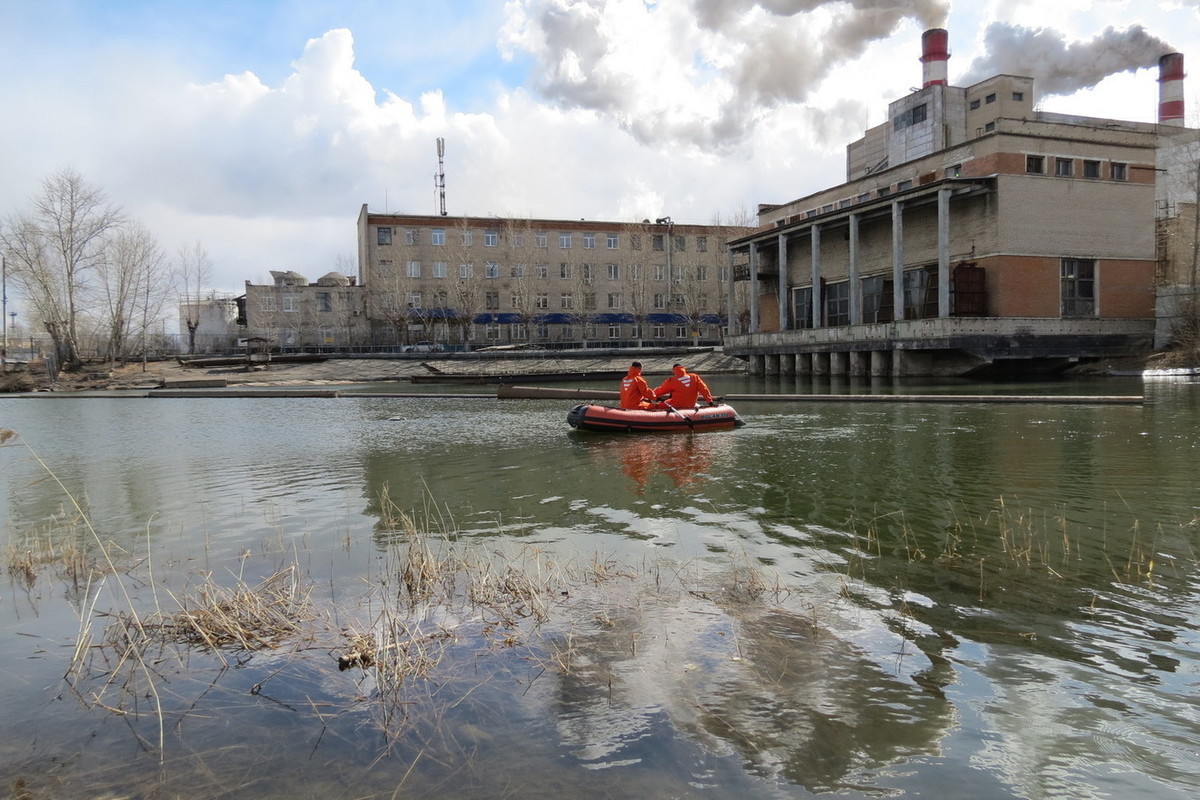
(422, 347)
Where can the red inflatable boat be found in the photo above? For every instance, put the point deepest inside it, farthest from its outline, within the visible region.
(587, 417)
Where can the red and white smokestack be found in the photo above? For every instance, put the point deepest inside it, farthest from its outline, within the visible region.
(934, 55)
(1170, 89)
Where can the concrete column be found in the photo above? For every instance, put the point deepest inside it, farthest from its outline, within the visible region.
(820, 363)
(855, 283)
(817, 318)
(785, 324)
(804, 364)
(771, 364)
(897, 260)
(731, 315)
(943, 252)
(839, 363)
(859, 362)
(753, 288)
(755, 365)
(880, 363)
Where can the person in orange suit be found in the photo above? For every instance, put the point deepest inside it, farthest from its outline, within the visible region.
(635, 392)
(683, 388)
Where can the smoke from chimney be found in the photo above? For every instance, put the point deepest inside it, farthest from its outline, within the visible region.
(1059, 67)
(1170, 89)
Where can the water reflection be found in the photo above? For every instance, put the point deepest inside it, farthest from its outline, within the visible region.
(996, 601)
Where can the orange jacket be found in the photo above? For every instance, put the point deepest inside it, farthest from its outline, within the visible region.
(635, 392)
(684, 387)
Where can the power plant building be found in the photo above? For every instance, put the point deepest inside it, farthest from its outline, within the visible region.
(973, 234)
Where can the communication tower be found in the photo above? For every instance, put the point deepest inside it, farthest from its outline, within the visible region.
(439, 180)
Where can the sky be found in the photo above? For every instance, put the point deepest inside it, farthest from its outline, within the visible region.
(259, 128)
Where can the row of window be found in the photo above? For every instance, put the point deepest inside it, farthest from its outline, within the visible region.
(1077, 296)
(541, 239)
(615, 301)
(587, 272)
(1017, 97)
(566, 333)
(1066, 167)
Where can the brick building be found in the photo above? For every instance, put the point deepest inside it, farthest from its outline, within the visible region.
(469, 282)
(973, 233)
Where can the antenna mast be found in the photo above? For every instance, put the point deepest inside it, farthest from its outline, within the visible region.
(439, 180)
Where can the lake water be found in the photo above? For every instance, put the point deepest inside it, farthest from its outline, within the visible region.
(874, 600)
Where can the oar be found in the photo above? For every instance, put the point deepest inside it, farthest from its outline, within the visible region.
(688, 420)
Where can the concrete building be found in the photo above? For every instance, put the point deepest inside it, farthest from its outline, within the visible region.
(296, 315)
(207, 322)
(469, 282)
(973, 233)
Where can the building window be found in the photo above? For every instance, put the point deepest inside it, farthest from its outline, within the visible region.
(975, 105)
(267, 304)
(1118, 172)
(324, 301)
(517, 271)
(385, 269)
(612, 241)
(543, 270)
(635, 241)
(702, 272)
(514, 301)
(635, 272)
(802, 306)
(414, 299)
(567, 300)
(491, 301)
(701, 244)
(543, 331)
(659, 331)
(468, 238)
(589, 301)
(518, 240)
(1018, 97)
(954, 171)
(677, 301)
(660, 272)
(589, 241)
(862, 198)
(466, 271)
(919, 114)
(680, 244)
(589, 273)
(991, 98)
(412, 236)
(660, 301)
(291, 303)
(991, 126)
(492, 333)
(539, 239)
(1064, 167)
(903, 185)
(1091, 169)
(564, 241)
(1035, 165)
(414, 269)
(437, 236)
(564, 271)
(490, 238)
(884, 191)
(614, 331)
(876, 300)
(1078, 287)
(383, 235)
(491, 270)
(921, 293)
(542, 300)
(614, 300)
(658, 243)
(838, 304)
(439, 269)
(614, 272)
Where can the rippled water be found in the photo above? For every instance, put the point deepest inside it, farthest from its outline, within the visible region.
(876, 600)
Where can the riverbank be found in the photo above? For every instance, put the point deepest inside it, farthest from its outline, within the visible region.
(434, 368)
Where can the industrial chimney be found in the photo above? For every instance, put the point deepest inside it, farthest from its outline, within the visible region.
(934, 55)
(1170, 89)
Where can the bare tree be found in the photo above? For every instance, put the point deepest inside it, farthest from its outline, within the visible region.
(132, 285)
(55, 248)
(194, 268)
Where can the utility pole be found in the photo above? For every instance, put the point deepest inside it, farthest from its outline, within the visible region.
(4, 315)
